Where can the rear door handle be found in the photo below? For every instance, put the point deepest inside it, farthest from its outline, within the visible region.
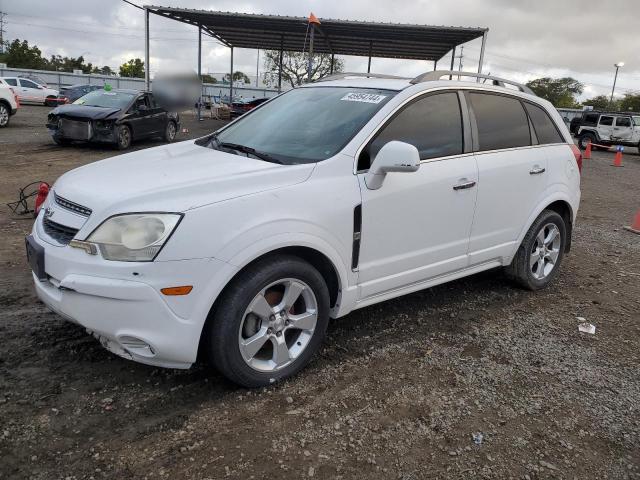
(537, 170)
(465, 185)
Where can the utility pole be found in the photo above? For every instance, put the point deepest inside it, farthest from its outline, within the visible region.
(2, 24)
(459, 57)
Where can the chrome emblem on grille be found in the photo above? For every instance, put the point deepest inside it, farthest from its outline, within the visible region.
(48, 213)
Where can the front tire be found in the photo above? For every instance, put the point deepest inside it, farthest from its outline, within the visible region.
(123, 137)
(269, 322)
(584, 139)
(538, 258)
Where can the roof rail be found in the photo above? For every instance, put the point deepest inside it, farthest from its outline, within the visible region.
(438, 74)
(340, 76)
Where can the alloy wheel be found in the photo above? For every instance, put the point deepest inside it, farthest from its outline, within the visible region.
(4, 116)
(278, 325)
(545, 251)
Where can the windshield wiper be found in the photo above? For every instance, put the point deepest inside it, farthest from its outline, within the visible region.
(248, 150)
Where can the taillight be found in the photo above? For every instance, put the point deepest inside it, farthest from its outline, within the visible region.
(578, 154)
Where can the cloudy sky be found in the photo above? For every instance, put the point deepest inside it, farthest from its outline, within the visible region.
(578, 38)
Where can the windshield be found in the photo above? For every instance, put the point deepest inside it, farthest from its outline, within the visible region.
(306, 125)
(636, 120)
(100, 98)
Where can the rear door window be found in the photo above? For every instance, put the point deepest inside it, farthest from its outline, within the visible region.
(606, 121)
(501, 120)
(433, 124)
(623, 122)
(544, 127)
(11, 81)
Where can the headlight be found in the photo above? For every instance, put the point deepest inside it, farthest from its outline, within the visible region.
(136, 237)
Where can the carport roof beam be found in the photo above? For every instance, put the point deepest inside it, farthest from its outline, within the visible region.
(338, 37)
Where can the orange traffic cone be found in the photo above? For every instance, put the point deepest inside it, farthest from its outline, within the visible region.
(617, 161)
(587, 151)
(635, 226)
(313, 19)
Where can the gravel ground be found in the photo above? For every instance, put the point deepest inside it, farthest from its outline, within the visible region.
(475, 378)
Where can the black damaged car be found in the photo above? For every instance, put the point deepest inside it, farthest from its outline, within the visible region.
(115, 116)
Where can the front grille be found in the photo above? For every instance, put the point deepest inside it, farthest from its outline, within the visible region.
(75, 129)
(60, 233)
(72, 206)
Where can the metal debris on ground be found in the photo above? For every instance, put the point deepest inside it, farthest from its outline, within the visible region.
(478, 437)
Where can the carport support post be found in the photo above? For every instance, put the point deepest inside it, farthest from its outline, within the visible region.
(369, 64)
(332, 60)
(481, 60)
(453, 58)
(200, 70)
(231, 81)
(280, 64)
(435, 65)
(146, 50)
(310, 66)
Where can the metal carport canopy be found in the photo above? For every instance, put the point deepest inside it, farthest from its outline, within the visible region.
(340, 37)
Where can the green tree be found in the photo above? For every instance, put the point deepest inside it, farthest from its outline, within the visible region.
(206, 78)
(294, 67)
(600, 102)
(134, 68)
(106, 70)
(630, 102)
(68, 64)
(238, 77)
(561, 92)
(19, 54)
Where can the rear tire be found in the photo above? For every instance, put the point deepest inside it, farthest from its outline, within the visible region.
(269, 322)
(5, 115)
(585, 138)
(538, 258)
(51, 102)
(123, 137)
(170, 131)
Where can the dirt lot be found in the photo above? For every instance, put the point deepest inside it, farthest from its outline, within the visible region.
(398, 391)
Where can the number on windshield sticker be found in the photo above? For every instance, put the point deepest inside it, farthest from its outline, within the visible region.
(363, 97)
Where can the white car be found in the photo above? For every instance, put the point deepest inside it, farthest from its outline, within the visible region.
(8, 105)
(328, 198)
(29, 91)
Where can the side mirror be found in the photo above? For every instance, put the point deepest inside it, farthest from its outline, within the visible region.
(394, 156)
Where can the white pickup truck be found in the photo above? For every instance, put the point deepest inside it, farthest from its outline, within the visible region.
(8, 105)
(610, 129)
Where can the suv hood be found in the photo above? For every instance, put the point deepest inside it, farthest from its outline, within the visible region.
(172, 178)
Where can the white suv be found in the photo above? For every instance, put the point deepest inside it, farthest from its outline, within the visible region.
(608, 129)
(8, 105)
(331, 197)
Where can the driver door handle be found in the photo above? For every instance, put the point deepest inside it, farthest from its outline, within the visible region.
(465, 185)
(537, 170)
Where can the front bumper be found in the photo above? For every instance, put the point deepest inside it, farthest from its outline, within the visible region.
(121, 304)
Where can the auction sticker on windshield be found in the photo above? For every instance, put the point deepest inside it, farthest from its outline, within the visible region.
(363, 97)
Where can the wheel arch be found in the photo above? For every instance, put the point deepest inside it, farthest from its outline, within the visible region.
(559, 203)
(313, 256)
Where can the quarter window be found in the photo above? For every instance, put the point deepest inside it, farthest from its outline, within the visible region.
(623, 122)
(606, 121)
(546, 130)
(11, 81)
(502, 122)
(433, 124)
(591, 119)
